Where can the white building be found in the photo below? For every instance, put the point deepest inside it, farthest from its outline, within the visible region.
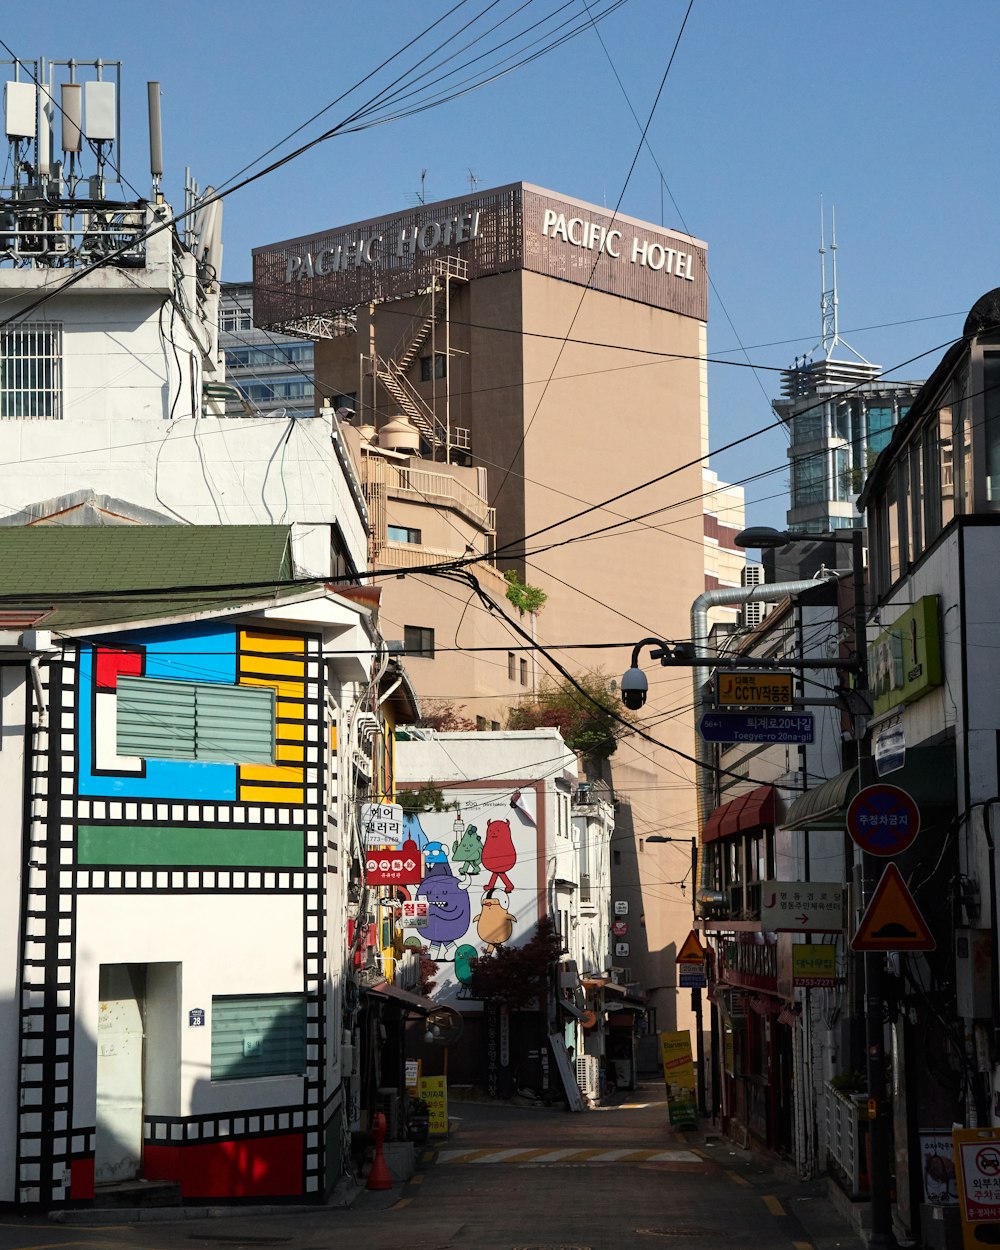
(112, 393)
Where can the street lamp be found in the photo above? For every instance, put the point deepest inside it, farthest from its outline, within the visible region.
(760, 536)
(699, 1039)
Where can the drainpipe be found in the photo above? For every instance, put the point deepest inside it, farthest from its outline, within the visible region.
(769, 592)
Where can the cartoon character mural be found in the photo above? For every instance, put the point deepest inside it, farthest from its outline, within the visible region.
(448, 907)
(458, 859)
(495, 923)
(499, 855)
(468, 851)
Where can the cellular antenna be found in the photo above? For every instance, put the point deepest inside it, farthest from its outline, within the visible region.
(155, 137)
(828, 303)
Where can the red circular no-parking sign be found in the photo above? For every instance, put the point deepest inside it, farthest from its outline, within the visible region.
(883, 820)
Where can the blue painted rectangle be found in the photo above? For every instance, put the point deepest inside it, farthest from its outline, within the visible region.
(757, 726)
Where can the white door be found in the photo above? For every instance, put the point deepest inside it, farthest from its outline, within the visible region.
(119, 1072)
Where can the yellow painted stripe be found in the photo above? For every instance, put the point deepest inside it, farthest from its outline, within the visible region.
(270, 772)
(271, 666)
(802, 1245)
(286, 753)
(772, 1204)
(288, 731)
(250, 640)
(286, 689)
(416, 1179)
(287, 713)
(737, 1179)
(333, 737)
(270, 794)
(403, 1202)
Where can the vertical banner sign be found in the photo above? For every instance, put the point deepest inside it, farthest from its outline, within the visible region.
(977, 1155)
(492, 1014)
(434, 1092)
(678, 1073)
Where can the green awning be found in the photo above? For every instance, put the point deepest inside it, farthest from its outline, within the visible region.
(928, 776)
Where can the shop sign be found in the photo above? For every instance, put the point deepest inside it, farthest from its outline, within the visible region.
(678, 1074)
(621, 908)
(904, 661)
(754, 688)
(415, 914)
(434, 1092)
(412, 1076)
(622, 948)
(620, 928)
(388, 866)
(937, 1166)
(813, 964)
(382, 824)
(889, 749)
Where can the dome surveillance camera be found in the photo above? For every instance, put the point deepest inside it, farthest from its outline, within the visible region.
(634, 686)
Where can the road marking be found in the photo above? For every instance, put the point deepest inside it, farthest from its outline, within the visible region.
(737, 1179)
(802, 1245)
(772, 1204)
(416, 1179)
(592, 1155)
(403, 1202)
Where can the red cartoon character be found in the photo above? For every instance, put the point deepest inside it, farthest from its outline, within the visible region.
(499, 855)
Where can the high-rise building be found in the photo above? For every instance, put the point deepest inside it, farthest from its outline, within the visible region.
(840, 413)
(559, 348)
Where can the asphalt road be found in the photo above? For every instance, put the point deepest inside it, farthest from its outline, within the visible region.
(523, 1178)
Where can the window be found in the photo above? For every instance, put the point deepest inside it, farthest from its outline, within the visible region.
(418, 640)
(269, 355)
(258, 1035)
(403, 534)
(231, 320)
(481, 724)
(809, 479)
(277, 388)
(524, 672)
(495, 726)
(31, 371)
(511, 665)
(182, 720)
(879, 427)
(439, 367)
(808, 426)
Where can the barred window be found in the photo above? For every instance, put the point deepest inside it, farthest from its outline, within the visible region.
(31, 371)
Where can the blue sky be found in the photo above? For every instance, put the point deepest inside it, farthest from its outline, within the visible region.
(877, 107)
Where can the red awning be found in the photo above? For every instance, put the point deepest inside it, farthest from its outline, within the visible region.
(750, 811)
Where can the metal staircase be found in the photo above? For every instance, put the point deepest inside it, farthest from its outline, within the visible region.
(392, 372)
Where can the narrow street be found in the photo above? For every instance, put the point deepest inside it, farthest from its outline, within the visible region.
(523, 1178)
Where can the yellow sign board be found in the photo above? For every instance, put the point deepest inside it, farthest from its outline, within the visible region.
(678, 1073)
(434, 1092)
(814, 964)
(754, 689)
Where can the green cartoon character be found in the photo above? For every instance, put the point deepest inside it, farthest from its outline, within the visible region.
(467, 851)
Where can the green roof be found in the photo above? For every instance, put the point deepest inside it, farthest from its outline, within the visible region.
(79, 576)
(49, 561)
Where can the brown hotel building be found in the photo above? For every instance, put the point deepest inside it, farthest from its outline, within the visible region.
(544, 356)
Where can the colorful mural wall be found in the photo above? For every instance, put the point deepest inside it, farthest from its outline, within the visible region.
(483, 870)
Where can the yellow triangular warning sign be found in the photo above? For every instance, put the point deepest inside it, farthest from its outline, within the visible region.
(892, 920)
(692, 951)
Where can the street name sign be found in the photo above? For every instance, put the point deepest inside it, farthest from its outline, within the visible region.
(883, 819)
(757, 726)
(753, 688)
(801, 906)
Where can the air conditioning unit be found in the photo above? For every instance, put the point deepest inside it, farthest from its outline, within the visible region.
(588, 1076)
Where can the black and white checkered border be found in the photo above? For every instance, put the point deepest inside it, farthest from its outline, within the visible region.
(169, 1130)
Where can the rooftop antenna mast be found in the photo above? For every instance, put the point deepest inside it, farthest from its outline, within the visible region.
(828, 296)
(421, 194)
(473, 181)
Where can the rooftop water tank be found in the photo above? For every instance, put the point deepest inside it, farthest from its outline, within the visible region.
(399, 434)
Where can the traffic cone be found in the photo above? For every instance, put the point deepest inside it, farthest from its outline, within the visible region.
(378, 1177)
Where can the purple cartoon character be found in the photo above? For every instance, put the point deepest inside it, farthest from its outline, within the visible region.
(448, 909)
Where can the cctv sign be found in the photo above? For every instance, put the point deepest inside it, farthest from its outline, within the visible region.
(756, 688)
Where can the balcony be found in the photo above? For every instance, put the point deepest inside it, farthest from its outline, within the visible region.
(425, 486)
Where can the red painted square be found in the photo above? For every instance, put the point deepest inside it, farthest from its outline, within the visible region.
(252, 1167)
(81, 1178)
(113, 664)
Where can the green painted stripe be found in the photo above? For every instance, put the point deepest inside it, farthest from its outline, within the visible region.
(190, 846)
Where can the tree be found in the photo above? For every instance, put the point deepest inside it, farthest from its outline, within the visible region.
(518, 976)
(444, 716)
(524, 597)
(427, 798)
(588, 719)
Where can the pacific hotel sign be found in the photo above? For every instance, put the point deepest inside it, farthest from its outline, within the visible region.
(499, 231)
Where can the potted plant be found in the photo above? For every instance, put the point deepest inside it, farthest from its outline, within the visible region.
(418, 1121)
